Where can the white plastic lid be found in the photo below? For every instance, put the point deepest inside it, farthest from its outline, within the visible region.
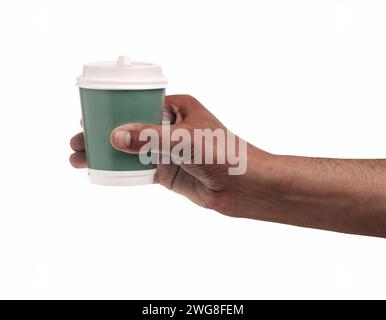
(123, 74)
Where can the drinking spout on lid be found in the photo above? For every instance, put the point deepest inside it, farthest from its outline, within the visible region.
(123, 61)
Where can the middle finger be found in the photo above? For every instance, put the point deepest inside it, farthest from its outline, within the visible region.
(77, 142)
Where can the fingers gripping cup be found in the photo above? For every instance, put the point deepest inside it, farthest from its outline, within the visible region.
(113, 94)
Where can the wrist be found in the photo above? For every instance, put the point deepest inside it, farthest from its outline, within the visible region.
(256, 193)
(263, 175)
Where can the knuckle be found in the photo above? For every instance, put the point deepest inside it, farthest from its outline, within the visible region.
(135, 143)
(190, 98)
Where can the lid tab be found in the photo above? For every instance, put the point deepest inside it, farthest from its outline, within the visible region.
(124, 61)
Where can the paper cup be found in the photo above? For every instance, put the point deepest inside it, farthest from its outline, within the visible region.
(112, 94)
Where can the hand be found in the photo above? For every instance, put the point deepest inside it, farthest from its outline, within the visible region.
(208, 185)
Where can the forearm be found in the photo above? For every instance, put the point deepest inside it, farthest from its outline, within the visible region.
(332, 194)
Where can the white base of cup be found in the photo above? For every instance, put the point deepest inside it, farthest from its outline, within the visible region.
(121, 178)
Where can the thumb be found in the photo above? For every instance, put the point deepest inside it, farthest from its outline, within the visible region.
(130, 138)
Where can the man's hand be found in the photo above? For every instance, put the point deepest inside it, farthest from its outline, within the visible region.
(208, 185)
(331, 194)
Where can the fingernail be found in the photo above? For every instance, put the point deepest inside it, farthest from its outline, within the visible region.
(122, 139)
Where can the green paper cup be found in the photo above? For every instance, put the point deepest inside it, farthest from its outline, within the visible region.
(112, 94)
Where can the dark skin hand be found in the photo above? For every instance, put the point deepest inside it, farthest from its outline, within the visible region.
(331, 194)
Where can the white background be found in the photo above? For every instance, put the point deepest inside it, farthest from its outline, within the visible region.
(292, 77)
